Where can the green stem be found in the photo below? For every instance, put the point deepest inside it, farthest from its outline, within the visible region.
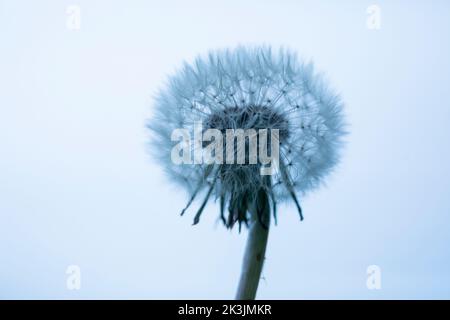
(255, 250)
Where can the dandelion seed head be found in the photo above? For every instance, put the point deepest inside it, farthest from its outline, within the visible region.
(251, 88)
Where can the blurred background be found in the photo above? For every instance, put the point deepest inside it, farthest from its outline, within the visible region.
(78, 187)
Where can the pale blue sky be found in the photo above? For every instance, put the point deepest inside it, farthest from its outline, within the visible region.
(78, 187)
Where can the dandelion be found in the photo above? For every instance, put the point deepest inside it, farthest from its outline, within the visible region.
(253, 89)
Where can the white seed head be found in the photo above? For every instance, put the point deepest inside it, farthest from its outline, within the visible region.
(251, 88)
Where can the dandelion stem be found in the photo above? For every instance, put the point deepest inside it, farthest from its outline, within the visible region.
(255, 250)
